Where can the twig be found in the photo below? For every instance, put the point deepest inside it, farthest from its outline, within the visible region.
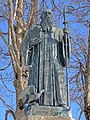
(5, 85)
(1, 69)
(1, 34)
(80, 115)
(8, 106)
(11, 112)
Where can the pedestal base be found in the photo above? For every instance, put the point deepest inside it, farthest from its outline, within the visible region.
(47, 118)
(49, 113)
(35, 110)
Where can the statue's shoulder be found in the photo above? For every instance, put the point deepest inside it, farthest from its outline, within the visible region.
(57, 29)
(34, 27)
(34, 32)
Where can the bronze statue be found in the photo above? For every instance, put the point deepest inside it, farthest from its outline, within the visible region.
(44, 51)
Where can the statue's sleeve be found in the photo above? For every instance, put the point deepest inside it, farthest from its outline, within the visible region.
(62, 48)
(25, 44)
(31, 39)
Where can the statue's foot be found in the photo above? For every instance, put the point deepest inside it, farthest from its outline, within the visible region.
(63, 105)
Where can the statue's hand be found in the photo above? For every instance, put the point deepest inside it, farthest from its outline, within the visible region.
(34, 42)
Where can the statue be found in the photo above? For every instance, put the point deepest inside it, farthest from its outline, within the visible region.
(44, 52)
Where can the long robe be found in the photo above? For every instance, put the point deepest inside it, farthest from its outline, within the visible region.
(45, 52)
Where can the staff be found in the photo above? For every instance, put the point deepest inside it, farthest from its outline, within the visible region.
(71, 8)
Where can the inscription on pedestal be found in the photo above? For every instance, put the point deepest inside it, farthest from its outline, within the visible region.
(49, 111)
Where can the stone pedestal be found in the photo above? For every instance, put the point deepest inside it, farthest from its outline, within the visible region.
(36, 110)
(48, 113)
(47, 118)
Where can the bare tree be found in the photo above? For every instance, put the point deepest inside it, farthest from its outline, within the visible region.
(18, 21)
(80, 58)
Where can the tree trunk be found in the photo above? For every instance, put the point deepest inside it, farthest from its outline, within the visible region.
(87, 93)
(21, 81)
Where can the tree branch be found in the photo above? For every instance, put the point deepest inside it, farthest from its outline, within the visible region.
(80, 115)
(11, 112)
(1, 69)
(1, 34)
(5, 85)
(15, 9)
(10, 22)
(8, 106)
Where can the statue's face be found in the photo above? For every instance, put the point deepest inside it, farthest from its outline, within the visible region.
(46, 15)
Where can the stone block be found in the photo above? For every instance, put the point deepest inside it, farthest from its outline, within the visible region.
(47, 118)
(36, 110)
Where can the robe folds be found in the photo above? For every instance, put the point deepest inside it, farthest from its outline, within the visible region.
(45, 53)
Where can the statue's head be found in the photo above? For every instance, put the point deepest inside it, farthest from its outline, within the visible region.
(46, 15)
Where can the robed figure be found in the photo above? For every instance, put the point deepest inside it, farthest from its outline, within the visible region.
(44, 51)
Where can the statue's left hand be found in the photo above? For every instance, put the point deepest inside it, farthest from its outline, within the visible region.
(35, 42)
